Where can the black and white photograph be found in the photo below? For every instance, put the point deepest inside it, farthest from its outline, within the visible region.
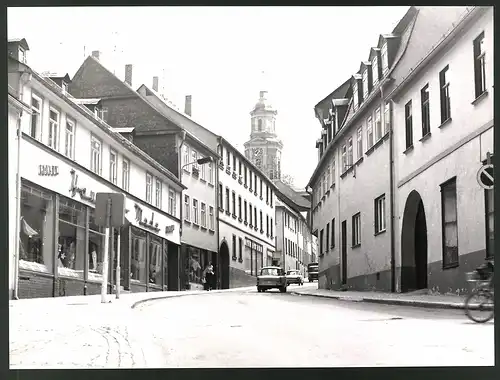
(250, 186)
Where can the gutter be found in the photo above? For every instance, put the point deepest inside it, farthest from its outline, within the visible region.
(391, 187)
(23, 79)
(217, 220)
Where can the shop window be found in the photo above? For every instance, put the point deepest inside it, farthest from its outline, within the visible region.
(197, 260)
(71, 240)
(155, 261)
(138, 256)
(96, 248)
(36, 242)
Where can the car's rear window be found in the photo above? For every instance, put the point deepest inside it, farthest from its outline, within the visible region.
(269, 272)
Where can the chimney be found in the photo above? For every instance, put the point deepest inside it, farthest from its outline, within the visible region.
(187, 106)
(155, 84)
(96, 54)
(128, 74)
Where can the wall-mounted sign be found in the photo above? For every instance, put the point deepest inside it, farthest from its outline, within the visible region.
(48, 170)
(90, 197)
(169, 229)
(150, 225)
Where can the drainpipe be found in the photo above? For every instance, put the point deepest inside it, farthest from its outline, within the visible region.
(216, 212)
(23, 79)
(180, 267)
(391, 185)
(283, 247)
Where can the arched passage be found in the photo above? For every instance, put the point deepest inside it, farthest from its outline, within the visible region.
(414, 245)
(224, 265)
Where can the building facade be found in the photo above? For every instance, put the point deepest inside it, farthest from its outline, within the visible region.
(443, 117)
(59, 246)
(264, 147)
(373, 225)
(247, 201)
(172, 145)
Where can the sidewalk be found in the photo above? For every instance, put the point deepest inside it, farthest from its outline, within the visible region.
(405, 299)
(127, 300)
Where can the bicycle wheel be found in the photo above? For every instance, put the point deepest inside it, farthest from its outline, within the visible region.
(480, 301)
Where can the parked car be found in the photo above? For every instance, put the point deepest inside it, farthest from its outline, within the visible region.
(294, 277)
(271, 278)
(312, 271)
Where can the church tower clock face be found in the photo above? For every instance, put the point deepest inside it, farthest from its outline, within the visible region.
(257, 156)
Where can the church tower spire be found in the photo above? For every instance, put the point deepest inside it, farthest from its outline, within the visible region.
(264, 147)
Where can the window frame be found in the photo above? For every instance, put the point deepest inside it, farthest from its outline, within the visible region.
(37, 112)
(384, 57)
(70, 153)
(425, 110)
(356, 230)
(479, 65)
(187, 208)
(196, 219)
(380, 224)
(158, 193)
(378, 124)
(113, 166)
(125, 178)
(408, 125)
(171, 201)
(53, 142)
(375, 77)
(203, 214)
(359, 142)
(332, 233)
(149, 188)
(452, 182)
(211, 225)
(98, 170)
(444, 93)
(350, 154)
(369, 133)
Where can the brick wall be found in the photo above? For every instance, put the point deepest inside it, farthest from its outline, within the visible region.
(35, 285)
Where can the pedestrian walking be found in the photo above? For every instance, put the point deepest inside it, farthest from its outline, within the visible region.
(208, 277)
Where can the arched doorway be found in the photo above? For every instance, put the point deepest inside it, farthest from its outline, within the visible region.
(224, 265)
(414, 245)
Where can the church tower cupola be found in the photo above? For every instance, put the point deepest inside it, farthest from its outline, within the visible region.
(264, 147)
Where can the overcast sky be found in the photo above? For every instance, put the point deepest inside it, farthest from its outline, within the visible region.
(217, 54)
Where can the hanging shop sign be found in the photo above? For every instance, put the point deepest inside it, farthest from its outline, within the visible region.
(74, 189)
(48, 170)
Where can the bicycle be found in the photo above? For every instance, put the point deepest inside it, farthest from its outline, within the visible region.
(483, 277)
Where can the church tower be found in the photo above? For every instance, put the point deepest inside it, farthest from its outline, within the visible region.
(264, 147)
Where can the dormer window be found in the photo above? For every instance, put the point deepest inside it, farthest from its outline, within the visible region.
(383, 56)
(365, 83)
(355, 96)
(22, 55)
(375, 70)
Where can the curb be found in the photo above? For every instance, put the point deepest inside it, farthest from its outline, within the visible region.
(188, 293)
(411, 303)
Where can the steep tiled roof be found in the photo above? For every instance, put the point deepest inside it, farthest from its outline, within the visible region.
(291, 194)
(429, 27)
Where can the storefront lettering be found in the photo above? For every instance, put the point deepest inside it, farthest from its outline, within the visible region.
(48, 170)
(151, 225)
(169, 229)
(80, 190)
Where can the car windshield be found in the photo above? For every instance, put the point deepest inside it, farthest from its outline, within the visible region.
(292, 272)
(269, 272)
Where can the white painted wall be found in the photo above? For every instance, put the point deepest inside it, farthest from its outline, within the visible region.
(464, 162)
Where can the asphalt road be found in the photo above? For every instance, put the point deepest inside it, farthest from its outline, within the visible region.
(283, 330)
(248, 329)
